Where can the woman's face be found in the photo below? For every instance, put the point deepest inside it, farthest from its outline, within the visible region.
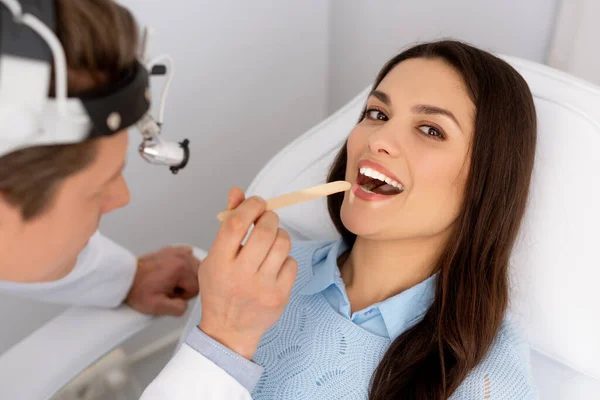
(416, 136)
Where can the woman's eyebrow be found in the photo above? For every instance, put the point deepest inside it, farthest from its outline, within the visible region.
(433, 110)
(419, 108)
(384, 98)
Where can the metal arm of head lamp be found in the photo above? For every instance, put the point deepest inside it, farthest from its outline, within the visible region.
(153, 148)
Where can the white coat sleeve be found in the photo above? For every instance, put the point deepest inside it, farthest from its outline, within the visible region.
(102, 277)
(191, 376)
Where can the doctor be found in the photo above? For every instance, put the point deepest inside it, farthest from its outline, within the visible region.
(61, 162)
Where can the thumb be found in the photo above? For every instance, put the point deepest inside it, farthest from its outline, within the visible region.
(170, 306)
(235, 198)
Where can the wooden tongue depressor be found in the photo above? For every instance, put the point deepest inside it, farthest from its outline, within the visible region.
(300, 196)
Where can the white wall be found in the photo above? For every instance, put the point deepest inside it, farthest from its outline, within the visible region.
(574, 47)
(250, 77)
(365, 34)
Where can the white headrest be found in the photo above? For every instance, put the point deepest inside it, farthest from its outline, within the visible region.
(556, 264)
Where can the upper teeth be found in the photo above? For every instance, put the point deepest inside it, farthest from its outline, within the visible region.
(371, 173)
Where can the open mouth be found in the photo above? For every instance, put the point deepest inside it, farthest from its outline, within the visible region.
(375, 182)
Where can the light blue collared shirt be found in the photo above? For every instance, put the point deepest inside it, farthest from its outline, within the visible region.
(388, 318)
(318, 275)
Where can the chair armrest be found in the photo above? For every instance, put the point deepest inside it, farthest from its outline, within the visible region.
(41, 364)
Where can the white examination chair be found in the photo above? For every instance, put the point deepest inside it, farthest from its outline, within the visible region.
(555, 266)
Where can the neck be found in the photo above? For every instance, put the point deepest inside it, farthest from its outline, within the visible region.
(378, 269)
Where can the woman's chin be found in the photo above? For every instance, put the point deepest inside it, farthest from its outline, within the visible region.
(360, 223)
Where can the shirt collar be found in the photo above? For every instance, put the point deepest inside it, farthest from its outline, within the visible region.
(324, 267)
(405, 309)
(398, 312)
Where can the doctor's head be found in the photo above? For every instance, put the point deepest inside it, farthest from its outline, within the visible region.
(442, 155)
(52, 197)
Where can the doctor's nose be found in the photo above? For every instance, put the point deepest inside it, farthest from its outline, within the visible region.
(118, 197)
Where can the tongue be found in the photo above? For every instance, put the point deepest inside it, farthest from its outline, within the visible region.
(379, 187)
(386, 189)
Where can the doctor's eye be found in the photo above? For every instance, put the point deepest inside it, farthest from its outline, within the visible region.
(375, 114)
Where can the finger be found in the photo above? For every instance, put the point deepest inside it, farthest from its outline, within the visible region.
(287, 273)
(187, 250)
(191, 262)
(235, 197)
(277, 255)
(170, 306)
(172, 267)
(188, 285)
(193, 265)
(236, 225)
(256, 249)
(183, 250)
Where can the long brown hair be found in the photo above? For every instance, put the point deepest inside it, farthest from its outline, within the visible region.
(431, 359)
(100, 40)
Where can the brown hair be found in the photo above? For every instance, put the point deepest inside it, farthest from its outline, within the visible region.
(100, 40)
(431, 359)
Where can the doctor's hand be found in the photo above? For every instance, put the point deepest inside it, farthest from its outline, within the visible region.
(245, 289)
(164, 281)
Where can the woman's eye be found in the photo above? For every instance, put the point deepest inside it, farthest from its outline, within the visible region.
(376, 115)
(432, 132)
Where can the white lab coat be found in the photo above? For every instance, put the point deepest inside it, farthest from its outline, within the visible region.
(189, 376)
(102, 278)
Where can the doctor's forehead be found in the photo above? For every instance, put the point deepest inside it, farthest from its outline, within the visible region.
(111, 155)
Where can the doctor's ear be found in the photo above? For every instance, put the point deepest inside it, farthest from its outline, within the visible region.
(30, 177)
(10, 214)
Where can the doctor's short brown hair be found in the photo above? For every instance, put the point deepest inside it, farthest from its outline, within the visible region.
(100, 39)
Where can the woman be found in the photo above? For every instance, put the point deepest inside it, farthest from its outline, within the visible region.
(440, 162)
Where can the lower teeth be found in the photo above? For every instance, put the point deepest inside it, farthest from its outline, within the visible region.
(366, 190)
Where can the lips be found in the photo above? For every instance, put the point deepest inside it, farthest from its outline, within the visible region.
(379, 168)
(375, 179)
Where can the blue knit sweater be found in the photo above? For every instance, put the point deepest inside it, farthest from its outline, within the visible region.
(314, 352)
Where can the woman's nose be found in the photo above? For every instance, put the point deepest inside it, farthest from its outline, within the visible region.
(385, 140)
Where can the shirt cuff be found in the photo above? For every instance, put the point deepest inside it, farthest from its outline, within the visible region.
(246, 372)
